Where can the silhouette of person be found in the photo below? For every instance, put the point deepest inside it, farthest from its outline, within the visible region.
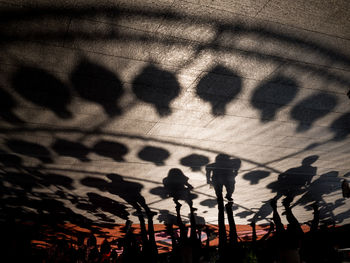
(187, 249)
(288, 240)
(295, 180)
(177, 186)
(325, 184)
(129, 191)
(223, 173)
(149, 246)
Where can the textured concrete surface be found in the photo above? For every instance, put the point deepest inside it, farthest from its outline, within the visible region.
(135, 88)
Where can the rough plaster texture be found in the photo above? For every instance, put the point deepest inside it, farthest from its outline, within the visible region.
(136, 88)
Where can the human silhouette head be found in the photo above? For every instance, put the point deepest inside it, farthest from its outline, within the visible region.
(309, 160)
(222, 158)
(175, 173)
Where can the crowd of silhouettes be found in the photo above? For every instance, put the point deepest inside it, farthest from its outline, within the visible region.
(279, 243)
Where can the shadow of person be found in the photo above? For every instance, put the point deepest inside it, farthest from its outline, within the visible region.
(219, 87)
(325, 184)
(177, 187)
(155, 155)
(195, 161)
(128, 191)
(30, 149)
(96, 83)
(295, 180)
(223, 173)
(157, 87)
(312, 108)
(7, 105)
(97, 202)
(71, 149)
(43, 89)
(273, 95)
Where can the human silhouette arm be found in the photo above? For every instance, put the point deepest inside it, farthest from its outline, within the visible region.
(189, 187)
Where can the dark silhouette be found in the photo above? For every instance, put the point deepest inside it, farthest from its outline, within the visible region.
(260, 250)
(155, 155)
(149, 246)
(195, 161)
(185, 249)
(219, 87)
(129, 191)
(288, 240)
(96, 201)
(129, 245)
(96, 83)
(296, 180)
(272, 95)
(30, 149)
(233, 237)
(111, 149)
(71, 149)
(223, 173)
(325, 184)
(177, 187)
(312, 108)
(43, 89)
(157, 87)
(222, 229)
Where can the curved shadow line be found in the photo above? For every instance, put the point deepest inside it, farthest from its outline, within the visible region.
(70, 130)
(14, 14)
